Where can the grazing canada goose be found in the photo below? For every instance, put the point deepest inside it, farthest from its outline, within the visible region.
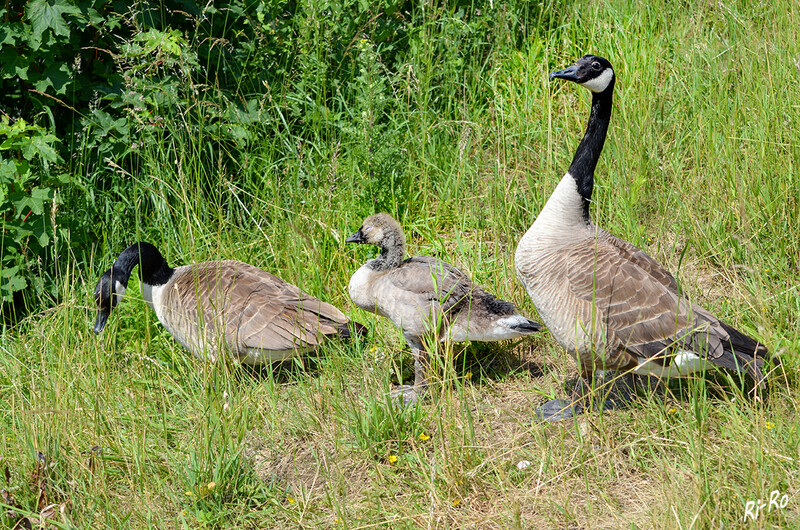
(608, 303)
(261, 318)
(426, 297)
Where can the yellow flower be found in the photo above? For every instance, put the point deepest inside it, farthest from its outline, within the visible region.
(188, 493)
(468, 375)
(211, 485)
(291, 500)
(184, 513)
(392, 459)
(424, 437)
(456, 502)
(769, 425)
(670, 412)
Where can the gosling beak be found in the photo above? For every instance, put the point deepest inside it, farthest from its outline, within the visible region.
(358, 237)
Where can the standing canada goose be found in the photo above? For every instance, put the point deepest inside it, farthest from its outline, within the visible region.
(223, 305)
(426, 297)
(605, 301)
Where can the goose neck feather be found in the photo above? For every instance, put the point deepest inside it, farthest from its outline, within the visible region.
(562, 218)
(588, 153)
(153, 268)
(393, 248)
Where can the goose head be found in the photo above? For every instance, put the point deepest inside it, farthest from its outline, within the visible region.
(380, 230)
(591, 72)
(107, 295)
(153, 271)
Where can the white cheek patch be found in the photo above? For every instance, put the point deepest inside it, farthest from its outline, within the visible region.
(119, 289)
(601, 82)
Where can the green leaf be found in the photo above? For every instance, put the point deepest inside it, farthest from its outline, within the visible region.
(33, 201)
(12, 64)
(41, 145)
(11, 281)
(8, 34)
(41, 235)
(40, 195)
(57, 76)
(62, 179)
(48, 14)
(8, 171)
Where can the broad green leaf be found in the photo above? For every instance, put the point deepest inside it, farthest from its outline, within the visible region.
(24, 203)
(12, 64)
(57, 76)
(41, 195)
(23, 171)
(48, 14)
(8, 171)
(41, 145)
(8, 34)
(10, 282)
(41, 235)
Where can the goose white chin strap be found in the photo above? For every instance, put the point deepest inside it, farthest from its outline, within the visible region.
(599, 83)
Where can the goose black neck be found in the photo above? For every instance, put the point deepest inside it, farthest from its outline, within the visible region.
(588, 152)
(153, 268)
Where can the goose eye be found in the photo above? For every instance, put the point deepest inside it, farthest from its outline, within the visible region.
(596, 65)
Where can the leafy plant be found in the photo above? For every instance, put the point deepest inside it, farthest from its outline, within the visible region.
(27, 207)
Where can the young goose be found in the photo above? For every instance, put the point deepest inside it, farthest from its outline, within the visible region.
(605, 301)
(226, 305)
(424, 296)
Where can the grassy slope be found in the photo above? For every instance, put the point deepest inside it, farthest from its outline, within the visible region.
(700, 170)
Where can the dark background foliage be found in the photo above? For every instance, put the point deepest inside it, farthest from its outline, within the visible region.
(93, 93)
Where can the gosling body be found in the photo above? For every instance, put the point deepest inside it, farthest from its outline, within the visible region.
(427, 297)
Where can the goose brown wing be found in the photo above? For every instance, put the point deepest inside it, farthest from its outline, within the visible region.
(637, 304)
(256, 308)
(639, 258)
(433, 280)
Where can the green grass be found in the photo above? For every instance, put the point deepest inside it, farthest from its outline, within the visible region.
(700, 170)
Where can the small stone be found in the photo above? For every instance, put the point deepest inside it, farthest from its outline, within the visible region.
(523, 464)
(583, 428)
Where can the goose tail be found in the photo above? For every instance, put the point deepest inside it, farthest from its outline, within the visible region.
(351, 328)
(744, 354)
(749, 352)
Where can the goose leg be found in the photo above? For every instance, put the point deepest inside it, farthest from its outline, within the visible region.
(562, 409)
(409, 394)
(618, 393)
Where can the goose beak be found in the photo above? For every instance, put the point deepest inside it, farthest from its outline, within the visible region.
(570, 73)
(358, 237)
(100, 323)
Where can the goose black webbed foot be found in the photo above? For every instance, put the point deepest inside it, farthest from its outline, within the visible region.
(616, 394)
(558, 410)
